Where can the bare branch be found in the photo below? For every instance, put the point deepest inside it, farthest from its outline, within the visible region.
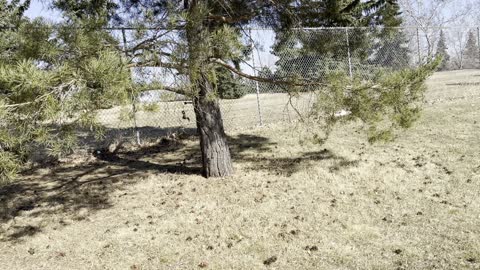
(266, 80)
(158, 86)
(229, 19)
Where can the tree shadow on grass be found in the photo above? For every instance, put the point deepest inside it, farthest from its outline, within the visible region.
(66, 189)
(289, 165)
(87, 139)
(258, 154)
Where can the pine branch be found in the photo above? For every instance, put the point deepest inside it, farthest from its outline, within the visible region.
(149, 42)
(54, 90)
(158, 63)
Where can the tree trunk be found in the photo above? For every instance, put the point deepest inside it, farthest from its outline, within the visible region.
(216, 159)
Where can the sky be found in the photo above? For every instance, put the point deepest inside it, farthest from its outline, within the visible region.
(37, 9)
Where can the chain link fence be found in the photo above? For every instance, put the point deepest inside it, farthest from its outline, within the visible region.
(308, 53)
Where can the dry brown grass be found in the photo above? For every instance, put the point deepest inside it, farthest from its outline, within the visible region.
(411, 204)
(237, 113)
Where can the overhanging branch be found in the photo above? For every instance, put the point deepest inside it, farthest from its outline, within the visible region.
(159, 86)
(229, 20)
(158, 63)
(266, 80)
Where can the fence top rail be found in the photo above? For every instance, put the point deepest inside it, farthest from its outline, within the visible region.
(93, 28)
(257, 28)
(374, 27)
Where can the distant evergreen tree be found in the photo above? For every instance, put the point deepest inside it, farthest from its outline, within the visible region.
(266, 72)
(228, 85)
(470, 54)
(442, 51)
(312, 54)
(391, 50)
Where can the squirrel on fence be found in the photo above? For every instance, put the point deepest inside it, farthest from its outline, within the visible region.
(184, 116)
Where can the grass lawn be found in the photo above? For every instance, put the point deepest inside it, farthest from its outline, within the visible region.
(410, 204)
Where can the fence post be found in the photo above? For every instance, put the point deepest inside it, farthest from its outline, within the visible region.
(478, 46)
(418, 48)
(349, 56)
(259, 109)
(136, 132)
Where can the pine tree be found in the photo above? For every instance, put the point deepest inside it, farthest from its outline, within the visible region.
(471, 52)
(52, 80)
(442, 51)
(391, 49)
(85, 66)
(392, 52)
(326, 50)
(229, 86)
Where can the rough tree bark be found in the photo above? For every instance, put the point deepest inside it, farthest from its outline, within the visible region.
(213, 140)
(216, 159)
